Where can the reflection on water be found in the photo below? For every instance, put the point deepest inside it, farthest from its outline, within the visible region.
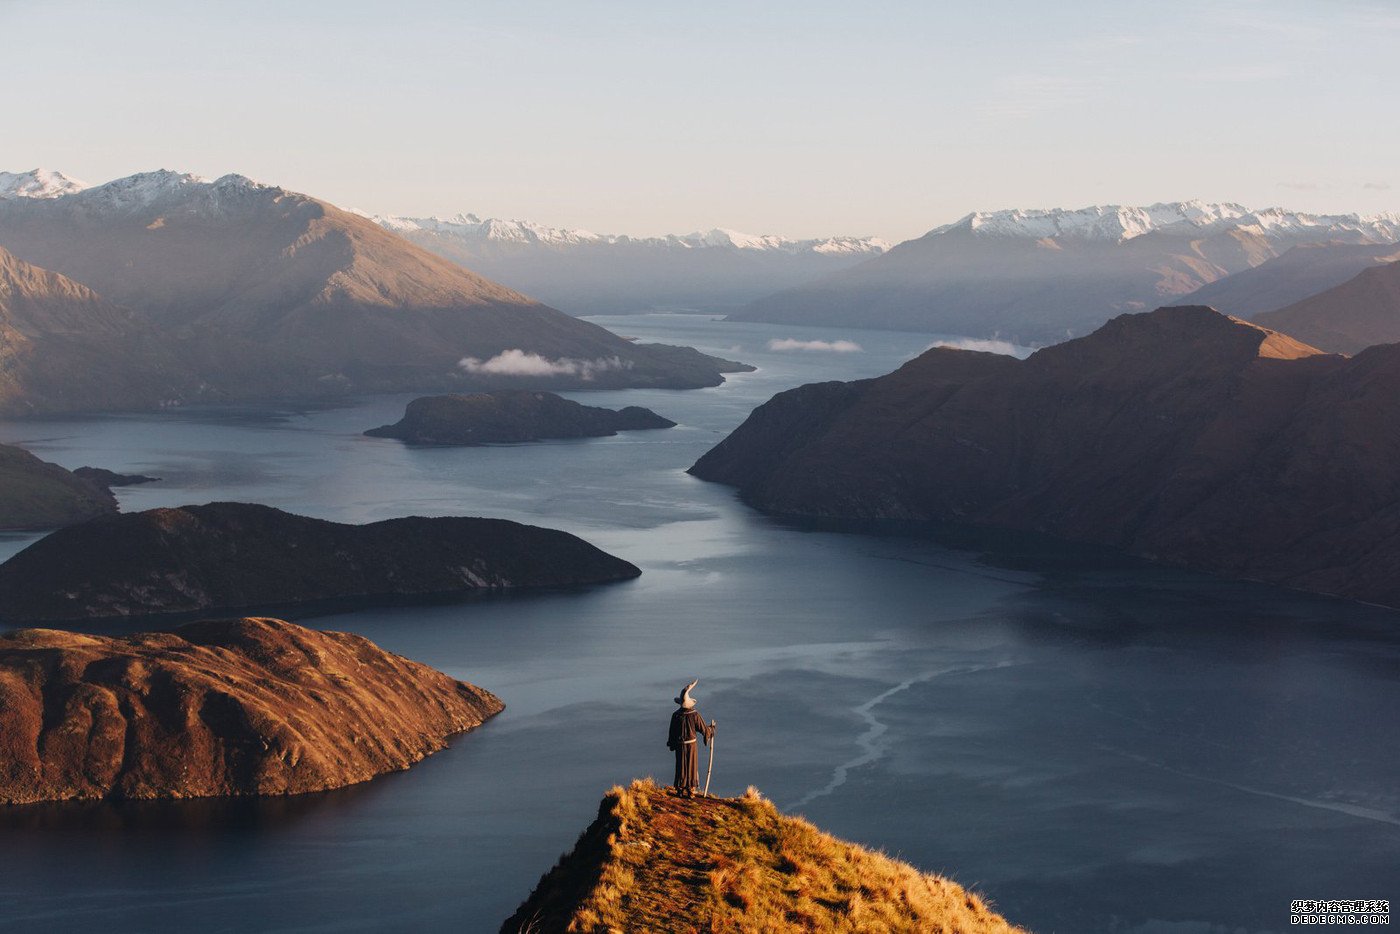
(186, 819)
(1100, 744)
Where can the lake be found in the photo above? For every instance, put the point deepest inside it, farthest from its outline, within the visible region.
(1097, 744)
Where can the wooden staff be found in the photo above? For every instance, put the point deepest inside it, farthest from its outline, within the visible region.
(710, 771)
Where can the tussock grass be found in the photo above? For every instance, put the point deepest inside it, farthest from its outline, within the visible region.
(654, 862)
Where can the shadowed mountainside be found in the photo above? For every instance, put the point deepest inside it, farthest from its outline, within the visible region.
(1300, 273)
(502, 417)
(1359, 313)
(229, 557)
(62, 346)
(1182, 436)
(654, 862)
(220, 707)
(35, 494)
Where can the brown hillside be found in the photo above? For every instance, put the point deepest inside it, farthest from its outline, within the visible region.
(226, 707)
(1302, 271)
(1359, 313)
(1182, 436)
(653, 862)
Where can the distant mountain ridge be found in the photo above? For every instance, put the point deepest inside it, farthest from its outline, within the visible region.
(263, 292)
(1042, 276)
(584, 273)
(1117, 223)
(472, 227)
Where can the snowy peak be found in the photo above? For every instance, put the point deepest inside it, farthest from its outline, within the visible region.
(769, 243)
(38, 183)
(471, 228)
(1116, 223)
(735, 239)
(149, 188)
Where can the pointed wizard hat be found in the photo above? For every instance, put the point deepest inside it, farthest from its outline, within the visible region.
(685, 700)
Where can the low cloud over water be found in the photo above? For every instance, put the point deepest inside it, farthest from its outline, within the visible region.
(515, 362)
(791, 344)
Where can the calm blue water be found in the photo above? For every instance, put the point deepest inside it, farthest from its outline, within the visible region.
(1097, 745)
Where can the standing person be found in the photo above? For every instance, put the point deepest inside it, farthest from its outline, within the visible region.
(686, 725)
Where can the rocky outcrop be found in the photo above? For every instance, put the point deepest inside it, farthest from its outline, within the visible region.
(1359, 313)
(502, 417)
(222, 707)
(239, 557)
(35, 494)
(1182, 436)
(654, 862)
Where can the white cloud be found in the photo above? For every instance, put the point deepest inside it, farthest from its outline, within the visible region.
(788, 344)
(516, 362)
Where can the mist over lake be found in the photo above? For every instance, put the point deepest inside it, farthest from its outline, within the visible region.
(1099, 744)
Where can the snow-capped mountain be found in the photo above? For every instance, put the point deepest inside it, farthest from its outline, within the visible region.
(263, 292)
(146, 189)
(38, 183)
(590, 273)
(1117, 223)
(469, 227)
(1040, 276)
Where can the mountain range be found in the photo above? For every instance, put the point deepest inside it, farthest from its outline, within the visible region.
(1038, 277)
(1181, 435)
(253, 291)
(586, 273)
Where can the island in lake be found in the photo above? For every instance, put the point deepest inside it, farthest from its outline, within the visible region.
(238, 557)
(219, 707)
(511, 416)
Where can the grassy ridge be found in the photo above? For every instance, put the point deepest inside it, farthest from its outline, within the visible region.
(653, 862)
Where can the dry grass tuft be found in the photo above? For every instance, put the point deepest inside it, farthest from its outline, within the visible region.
(654, 862)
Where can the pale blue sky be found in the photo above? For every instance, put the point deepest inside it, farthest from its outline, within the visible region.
(803, 119)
